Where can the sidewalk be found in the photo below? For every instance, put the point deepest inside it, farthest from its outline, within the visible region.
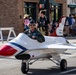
(70, 37)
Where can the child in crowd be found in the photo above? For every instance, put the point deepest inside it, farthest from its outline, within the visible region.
(26, 21)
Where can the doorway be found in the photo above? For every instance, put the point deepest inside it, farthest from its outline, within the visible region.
(30, 9)
(56, 13)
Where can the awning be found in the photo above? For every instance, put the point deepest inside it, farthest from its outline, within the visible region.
(41, 2)
(50, 1)
(53, 3)
(72, 5)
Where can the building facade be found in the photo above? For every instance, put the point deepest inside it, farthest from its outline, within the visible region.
(71, 7)
(12, 12)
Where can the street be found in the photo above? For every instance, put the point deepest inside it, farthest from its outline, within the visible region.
(41, 67)
(30, 22)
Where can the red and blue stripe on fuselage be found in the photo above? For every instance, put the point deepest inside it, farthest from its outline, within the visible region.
(11, 48)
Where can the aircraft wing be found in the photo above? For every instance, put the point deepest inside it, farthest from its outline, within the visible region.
(62, 46)
(11, 57)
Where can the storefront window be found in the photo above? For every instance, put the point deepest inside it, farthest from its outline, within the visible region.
(30, 9)
(56, 13)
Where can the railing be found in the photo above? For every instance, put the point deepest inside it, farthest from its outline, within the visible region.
(10, 29)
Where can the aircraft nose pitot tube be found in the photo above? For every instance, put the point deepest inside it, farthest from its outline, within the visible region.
(7, 50)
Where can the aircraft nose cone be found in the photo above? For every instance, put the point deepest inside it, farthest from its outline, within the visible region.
(6, 50)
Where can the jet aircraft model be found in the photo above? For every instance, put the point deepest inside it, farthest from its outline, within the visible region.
(26, 49)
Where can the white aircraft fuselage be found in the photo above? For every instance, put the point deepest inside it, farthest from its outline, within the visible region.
(25, 45)
(24, 48)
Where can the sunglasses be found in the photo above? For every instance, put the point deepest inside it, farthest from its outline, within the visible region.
(31, 25)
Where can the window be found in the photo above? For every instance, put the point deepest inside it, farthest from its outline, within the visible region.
(30, 9)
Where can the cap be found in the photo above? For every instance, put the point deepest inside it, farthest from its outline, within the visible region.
(26, 15)
(32, 22)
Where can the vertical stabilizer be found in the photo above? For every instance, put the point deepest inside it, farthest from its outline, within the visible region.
(59, 29)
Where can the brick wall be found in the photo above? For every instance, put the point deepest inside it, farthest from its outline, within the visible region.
(64, 3)
(9, 14)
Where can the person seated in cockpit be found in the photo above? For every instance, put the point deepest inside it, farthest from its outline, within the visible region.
(33, 33)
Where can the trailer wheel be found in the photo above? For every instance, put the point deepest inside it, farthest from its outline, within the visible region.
(63, 64)
(24, 68)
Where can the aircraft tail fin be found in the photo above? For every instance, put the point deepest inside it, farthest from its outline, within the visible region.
(59, 29)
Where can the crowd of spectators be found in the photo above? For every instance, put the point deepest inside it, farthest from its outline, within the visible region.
(44, 25)
(70, 26)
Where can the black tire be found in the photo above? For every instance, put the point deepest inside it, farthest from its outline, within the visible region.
(24, 68)
(63, 65)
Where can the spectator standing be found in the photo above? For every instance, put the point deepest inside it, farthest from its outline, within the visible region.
(73, 20)
(68, 26)
(73, 26)
(43, 22)
(52, 28)
(26, 21)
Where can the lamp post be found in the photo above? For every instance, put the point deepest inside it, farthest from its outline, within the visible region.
(47, 8)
